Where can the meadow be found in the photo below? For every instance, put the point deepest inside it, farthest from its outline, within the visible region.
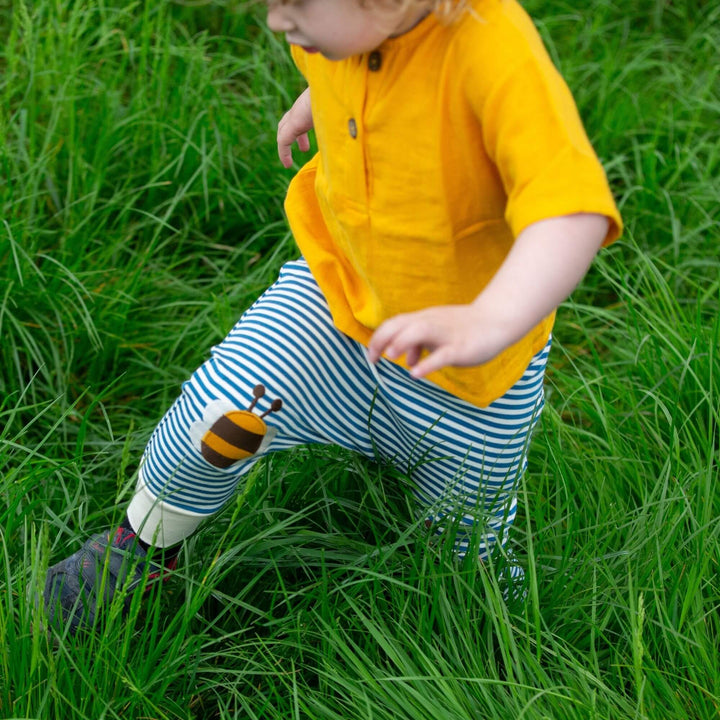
(141, 212)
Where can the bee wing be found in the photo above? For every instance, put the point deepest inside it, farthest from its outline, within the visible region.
(269, 437)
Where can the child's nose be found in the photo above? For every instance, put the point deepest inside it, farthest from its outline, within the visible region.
(277, 20)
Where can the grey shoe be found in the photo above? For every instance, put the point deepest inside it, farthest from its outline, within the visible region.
(106, 561)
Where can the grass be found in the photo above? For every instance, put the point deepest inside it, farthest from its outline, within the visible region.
(141, 212)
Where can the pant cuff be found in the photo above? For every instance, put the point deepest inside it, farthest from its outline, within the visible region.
(158, 523)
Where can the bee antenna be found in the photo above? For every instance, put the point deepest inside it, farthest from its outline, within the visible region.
(258, 392)
(276, 405)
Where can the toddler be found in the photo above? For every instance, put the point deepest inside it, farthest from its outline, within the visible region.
(454, 202)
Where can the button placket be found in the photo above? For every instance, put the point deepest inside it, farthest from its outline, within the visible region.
(374, 62)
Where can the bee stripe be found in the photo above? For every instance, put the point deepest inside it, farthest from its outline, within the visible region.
(225, 448)
(226, 443)
(240, 437)
(215, 458)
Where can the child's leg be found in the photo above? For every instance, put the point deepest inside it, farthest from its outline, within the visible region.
(286, 341)
(465, 461)
(194, 461)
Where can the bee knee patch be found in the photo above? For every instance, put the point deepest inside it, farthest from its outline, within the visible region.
(227, 435)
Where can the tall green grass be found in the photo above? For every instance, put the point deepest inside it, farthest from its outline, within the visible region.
(141, 212)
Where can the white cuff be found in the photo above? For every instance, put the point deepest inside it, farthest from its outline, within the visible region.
(158, 523)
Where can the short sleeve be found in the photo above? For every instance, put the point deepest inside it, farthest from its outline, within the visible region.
(533, 133)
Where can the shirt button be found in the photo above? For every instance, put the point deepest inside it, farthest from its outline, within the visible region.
(352, 127)
(374, 60)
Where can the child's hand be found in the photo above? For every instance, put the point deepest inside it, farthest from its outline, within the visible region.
(452, 334)
(294, 126)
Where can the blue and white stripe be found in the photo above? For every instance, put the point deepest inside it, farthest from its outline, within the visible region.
(464, 462)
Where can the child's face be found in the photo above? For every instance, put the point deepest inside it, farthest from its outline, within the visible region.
(338, 28)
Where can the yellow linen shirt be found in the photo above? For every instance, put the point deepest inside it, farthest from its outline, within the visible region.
(435, 152)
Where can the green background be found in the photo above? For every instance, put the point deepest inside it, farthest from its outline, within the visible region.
(141, 212)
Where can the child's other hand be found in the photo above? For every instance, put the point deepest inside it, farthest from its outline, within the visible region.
(452, 334)
(294, 126)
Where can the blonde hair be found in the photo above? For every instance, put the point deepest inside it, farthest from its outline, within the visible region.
(445, 10)
(439, 7)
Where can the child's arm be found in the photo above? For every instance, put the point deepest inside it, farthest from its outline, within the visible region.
(294, 125)
(546, 262)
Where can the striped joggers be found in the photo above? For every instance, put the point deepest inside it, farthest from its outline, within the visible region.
(464, 462)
